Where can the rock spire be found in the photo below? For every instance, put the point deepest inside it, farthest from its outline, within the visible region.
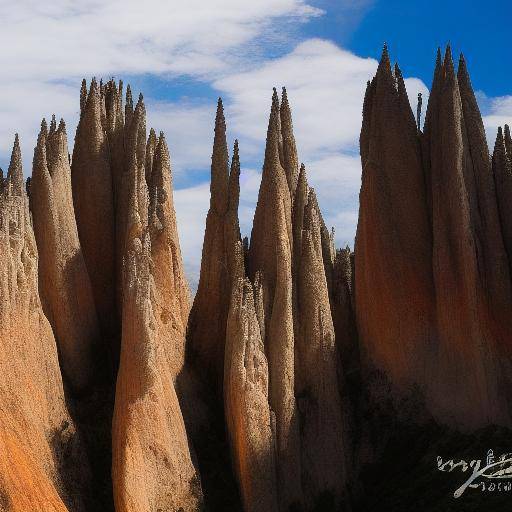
(64, 282)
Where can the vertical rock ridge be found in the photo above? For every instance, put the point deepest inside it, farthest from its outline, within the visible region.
(290, 157)
(93, 199)
(460, 306)
(271, 254)
(393, 221)
(316, 379)
(249, 418)
(492, 259)
(36, 430)
(63, 279)
(502, 171)
(152, 466)
(171, 302)
(220, 262)
(15, 171)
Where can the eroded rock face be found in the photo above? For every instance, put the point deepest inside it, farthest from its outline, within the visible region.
(207, 325)
(250, 421)
(93, 200)
(171, 301)
(63, 278)
(393, 227)
(317, 367)
(467, 387)
(270, 254)
(428, 207)
(502, 171)
(37, 435)
(151, 467)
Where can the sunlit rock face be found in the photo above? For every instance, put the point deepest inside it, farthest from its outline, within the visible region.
(93, 199)
(42, 452)
(299, 363)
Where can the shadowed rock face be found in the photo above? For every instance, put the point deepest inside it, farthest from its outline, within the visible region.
(37, 434)
(428, 207)
(316, 380)
(393, 277)
(63, 279)
(93, 200)
(502, 170)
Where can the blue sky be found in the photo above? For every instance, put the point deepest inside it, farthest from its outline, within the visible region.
(183, 55)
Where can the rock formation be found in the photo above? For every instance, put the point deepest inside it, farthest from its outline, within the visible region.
(502, 171)
(299, 364)
(316, 379)
(250, 421)
(37, 436)
(271, 253)
(152, 467)
(207, 325)
(91, 179)
(428, 203)
(63, 279)
(171, 302)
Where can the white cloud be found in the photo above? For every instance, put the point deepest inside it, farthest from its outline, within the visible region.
(66, 38)
(188, 128)
(497, 112)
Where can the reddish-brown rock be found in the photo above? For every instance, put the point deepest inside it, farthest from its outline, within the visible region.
(36, 431)
(171, 301)
(393, 279)
(502, 170)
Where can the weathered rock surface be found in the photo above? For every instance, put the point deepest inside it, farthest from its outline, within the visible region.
(250, 421)
(316, 379)
(502, 171)
(394, 328)
(152, 466)
(63, 279)
(37, 436)
(171, 300)
(270, 253)
(93, 200)
(428, 205)
(207, 325)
